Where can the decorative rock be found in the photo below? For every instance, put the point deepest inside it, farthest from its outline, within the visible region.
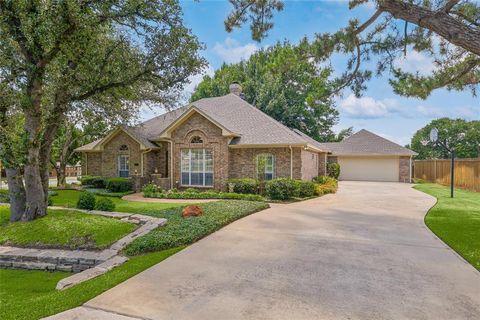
(192, 211)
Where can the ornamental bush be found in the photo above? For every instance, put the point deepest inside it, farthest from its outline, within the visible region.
(325, 185)
(324, 179)
(150, 189)
(94, 181)
(333, 170)
(86, 201)
(205, 195)
(119, 184)
(305, 189)
(281, 188)
(245, 186)
(105, 204)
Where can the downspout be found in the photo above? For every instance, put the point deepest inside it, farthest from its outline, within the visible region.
(410, 169)
(141, 161)
(291, 162)
(171, 164)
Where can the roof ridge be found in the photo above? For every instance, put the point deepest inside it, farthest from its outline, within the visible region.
(276, 122)
(378, 136)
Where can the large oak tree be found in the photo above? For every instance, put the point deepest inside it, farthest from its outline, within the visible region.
(62, 56)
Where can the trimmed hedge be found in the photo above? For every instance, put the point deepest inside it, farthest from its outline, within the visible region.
(281, 188)
(86, 201)
(105, 204)
(325, 185)
(94, 181)
(244, 186)
(333, 170)
(305, 189)
(204, 195)
(119, 184)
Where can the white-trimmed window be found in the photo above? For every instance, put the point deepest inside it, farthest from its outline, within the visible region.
(265, 165)
(123, 165)
(197, 167)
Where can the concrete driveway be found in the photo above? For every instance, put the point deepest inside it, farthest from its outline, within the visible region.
(363, 253)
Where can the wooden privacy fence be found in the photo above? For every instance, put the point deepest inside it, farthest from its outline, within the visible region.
(467, 172)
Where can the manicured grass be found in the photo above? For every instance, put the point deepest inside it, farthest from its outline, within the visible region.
(183, 231)
(26, 294)
(456, 221)
(69, 198)
(62, 229)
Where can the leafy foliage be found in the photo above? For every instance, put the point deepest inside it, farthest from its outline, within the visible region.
(245, 186)
(462, 135)
(179, 231)
(119, 184)
(333, 170)
(94, 181)
(285, 83)
(281, 189)
(105, 204)
(195, 194)
(445, 31)
(86, 201)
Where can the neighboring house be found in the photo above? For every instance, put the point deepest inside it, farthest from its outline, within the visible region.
(204, 144)
(70, 171)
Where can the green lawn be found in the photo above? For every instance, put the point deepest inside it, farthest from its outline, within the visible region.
(456, 221)
(69, 198)
(183, 231)
(26, 294)
(62, 229)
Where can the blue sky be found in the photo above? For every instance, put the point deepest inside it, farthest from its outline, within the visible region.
(379, 110)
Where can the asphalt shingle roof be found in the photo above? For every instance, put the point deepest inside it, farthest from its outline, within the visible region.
(367, 143)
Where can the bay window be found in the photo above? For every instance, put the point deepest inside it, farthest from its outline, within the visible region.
(197, 167)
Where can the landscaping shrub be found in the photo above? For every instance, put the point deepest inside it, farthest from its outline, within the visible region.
(204, 195)
(245, 186)
(119, 184)
(4, 197)
(191, 190)
(86, 201)
(49, 201)
(281, 189)
(105, 204)
(151, 189)
(305, 189)
(324, 179)
(113, 194)
(94, 181)
(333, 170)
(325, 185)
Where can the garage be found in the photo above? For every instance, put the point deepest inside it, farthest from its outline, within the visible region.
(369, 168)
(366, 156)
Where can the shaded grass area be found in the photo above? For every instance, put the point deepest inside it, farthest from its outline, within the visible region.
(62, 229)
(183, 231)
(456, 221)
(26, 294)
(69, 198)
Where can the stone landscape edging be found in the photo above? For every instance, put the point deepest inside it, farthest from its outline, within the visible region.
(87, 264)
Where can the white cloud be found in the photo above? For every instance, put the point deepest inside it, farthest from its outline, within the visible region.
(231, 51)
(368, 107)
(415, 61)
(196, 79)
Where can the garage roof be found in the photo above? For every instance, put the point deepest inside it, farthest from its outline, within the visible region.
(367, 143)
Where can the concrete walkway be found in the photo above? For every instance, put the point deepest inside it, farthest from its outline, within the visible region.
(363, 253)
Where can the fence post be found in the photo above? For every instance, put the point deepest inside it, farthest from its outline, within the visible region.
(435, 170)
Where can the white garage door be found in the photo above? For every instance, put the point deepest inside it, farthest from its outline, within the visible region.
(369, 168)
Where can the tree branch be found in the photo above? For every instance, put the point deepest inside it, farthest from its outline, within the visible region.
(367, 23)
(449, 5)
(439, 22)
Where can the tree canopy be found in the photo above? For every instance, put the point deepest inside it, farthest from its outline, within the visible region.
(283, 82)
(109, 56)
(447, 31)
(463, 135)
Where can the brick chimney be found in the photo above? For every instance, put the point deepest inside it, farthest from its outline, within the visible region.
(236, 88)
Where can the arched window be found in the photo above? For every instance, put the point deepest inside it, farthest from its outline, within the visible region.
(265, 166)
(196, 139)
(123, 147)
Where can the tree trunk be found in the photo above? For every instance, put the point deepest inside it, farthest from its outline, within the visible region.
(16, 192)
(61, 179)
(36, 199)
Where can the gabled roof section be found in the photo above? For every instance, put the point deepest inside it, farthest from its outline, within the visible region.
(132, 132)
(253, 126)
(367, 143)
(312, 142)
(192, 108)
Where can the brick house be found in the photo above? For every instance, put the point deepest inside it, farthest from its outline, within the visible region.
(203, 145)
